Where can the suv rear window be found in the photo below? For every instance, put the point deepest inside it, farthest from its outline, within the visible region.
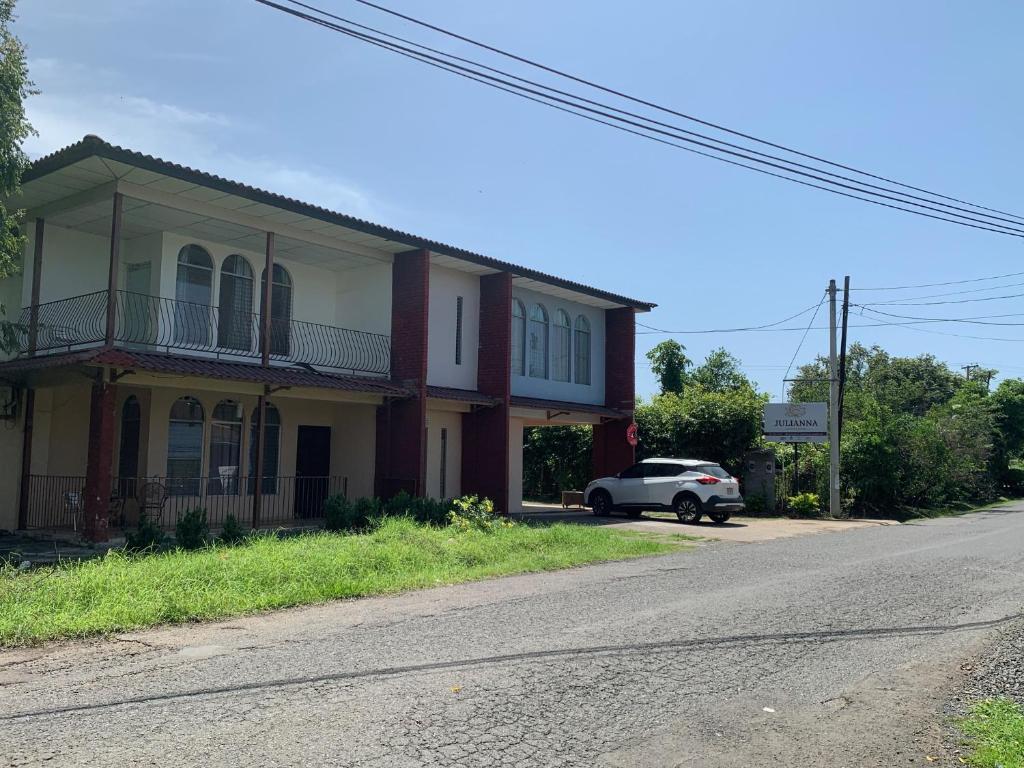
(714, 470)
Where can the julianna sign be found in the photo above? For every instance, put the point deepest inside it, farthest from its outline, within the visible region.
(796, 422)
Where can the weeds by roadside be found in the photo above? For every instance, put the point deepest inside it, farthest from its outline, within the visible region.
(995, 728)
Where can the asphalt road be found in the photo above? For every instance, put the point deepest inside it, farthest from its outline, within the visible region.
(830, 650)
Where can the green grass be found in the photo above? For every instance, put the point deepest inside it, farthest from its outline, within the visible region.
(911, 514)
(120, 592)
(996, 731)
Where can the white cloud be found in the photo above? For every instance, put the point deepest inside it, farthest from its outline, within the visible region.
(74, 102)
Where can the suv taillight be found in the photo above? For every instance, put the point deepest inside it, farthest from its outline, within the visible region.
(708, 480)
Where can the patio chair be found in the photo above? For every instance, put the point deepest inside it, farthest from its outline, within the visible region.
(73, 506)
(152, 498)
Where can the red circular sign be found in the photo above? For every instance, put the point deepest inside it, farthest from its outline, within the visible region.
(631, 434)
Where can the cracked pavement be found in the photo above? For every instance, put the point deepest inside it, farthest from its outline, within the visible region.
(828, 650)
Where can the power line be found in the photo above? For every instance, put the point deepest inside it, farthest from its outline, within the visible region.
(939, 285)
(545, 98)
(659, 107)
(646, 119)
(947, 293)
(946, 301)
(980, 320)
(802, 339)
(730, 330)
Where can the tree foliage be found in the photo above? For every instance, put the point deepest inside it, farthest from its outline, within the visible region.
(669, 363)
(15, 87)
(556, 458)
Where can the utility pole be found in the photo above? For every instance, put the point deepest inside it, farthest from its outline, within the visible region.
(842, 354)
(968, 369)
(833, 403)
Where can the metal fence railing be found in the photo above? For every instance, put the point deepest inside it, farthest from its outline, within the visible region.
(57, 501)
(152, 322)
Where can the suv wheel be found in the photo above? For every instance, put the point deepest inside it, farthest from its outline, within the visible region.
(687, 509)
(601, 503)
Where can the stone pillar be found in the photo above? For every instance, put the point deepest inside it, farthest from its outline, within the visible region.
(485, 431)
(401, 456)
(100, 462)
(612, 453)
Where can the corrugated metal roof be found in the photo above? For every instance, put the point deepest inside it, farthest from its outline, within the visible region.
(95, 146)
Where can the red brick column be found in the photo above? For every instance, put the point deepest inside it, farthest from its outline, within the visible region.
(485, 431)
(401, 424)
(612, 453)
(99, 462)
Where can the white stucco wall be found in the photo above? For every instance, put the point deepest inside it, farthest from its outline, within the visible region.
(550, 389)
(446, 285)
(74, 263)
(362, 299)
(451, 421)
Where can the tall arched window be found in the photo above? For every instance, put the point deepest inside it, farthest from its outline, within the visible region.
(128, 454)
(185, 447)
(280, 310)
(561, 346)
(225, 447)
(236, 319)
(271, 449)
(518, 338)
(193, 291)
(582, 350)
(538, 341)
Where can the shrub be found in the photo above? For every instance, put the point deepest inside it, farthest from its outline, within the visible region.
(192, 531)
(471, 513)
(1013, 482)
(147, 537)
(430, 511)
(232, 532)
(340, 514)
(397, 506)
(804, 505)
(366, 509)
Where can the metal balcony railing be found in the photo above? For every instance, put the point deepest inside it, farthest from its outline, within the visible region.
(152, 322)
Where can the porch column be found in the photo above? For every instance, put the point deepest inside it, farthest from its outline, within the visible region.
(401, 423)
(37, 277)
(485, 431)
(115, 259)
(612, 453)
(100, 460)
(24, 497)
(265, 308)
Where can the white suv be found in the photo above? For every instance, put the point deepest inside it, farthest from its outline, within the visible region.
(689, 487)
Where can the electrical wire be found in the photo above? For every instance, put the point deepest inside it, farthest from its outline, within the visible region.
(731, 330)
(802, 340)
(967, 320)
(547, 99)
(947, 293)
(659, 107)
(939, 285)
(945, 301)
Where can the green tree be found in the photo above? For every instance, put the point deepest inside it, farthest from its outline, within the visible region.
(15, 87)
(720, 372)
(556, 458)
(669, 363)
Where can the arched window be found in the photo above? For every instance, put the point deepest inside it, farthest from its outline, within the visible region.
(225, 447)
(271, 449)
(518, 338)
(236, 319)
(128, 453)
(561, 346)
(185, 447)
(538, 340)
(280, 310)
(193, 291)
(582, 350)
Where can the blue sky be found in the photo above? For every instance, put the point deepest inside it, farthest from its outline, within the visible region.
(924, 92)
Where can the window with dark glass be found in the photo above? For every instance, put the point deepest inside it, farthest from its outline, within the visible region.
(280, 310)
(443, 489)
(234, 331)
(185, 447)
(518, 338)
(128, 453)
(193, 291)
(458, 330)
(538, 341)
(561, 346)
(225, 447)
(271, 448)
(582, 350)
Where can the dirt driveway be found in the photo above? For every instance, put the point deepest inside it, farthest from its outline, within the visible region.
(745, 530)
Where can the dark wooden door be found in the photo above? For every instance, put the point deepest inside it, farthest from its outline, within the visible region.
(312, 470)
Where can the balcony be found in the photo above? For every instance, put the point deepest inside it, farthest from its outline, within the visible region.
(168, 325)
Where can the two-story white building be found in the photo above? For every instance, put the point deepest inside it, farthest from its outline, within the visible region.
(153, 350)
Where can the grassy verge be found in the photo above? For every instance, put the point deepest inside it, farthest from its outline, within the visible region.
(120, 592)
(996, 731)
(910, 514)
